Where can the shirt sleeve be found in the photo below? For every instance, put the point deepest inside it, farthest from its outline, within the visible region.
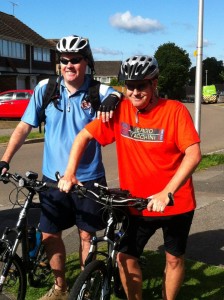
(31, 113)
(104, 91)
(102, 132)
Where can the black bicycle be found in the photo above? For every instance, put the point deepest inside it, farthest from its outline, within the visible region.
(33, 262)
(100, 277)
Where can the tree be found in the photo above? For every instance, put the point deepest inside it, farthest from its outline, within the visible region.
(214, 72)
(115, 82)
(174, 64)
(222, 75)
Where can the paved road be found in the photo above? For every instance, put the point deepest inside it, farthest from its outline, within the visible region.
(211, 129)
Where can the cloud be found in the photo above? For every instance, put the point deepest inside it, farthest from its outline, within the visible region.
(134, 24)
(106, 51)
(206, 43)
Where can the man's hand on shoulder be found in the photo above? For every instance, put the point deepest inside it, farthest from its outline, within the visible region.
(108, 106)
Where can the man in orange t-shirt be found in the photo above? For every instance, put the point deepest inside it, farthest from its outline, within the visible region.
(158, 150)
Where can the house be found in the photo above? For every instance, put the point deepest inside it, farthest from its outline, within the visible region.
(25, 56)
(106, 70)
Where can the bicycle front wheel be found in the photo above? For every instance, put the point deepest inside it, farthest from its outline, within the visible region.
(92, 283)
(15, 283)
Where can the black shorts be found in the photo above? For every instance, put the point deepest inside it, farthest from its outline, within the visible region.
(60, 211)
(140, 229)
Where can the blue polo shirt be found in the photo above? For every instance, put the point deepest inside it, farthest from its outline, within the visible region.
(61, 129)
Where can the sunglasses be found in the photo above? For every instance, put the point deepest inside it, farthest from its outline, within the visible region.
(138, 86)
(74, 60)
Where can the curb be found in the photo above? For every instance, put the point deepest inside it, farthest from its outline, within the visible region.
(29, 141)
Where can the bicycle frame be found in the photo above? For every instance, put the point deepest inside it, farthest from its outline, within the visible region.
(21, 231)
(94, 282)
(112, 240)
(108, 237)
(14, 267)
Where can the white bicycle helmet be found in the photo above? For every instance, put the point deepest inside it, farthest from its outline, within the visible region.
(76, 44)
(139, 67)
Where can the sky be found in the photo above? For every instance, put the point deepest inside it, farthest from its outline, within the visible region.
(118, 29)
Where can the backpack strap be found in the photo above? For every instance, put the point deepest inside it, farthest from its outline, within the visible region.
(93, 95)
(50, 93)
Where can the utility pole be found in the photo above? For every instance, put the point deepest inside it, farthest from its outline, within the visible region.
(198, 80)
(206, 77)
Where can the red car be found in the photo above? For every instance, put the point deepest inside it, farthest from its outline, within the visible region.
(13, 103)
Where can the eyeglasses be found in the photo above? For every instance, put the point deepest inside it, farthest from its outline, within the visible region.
(138, 86)
(74, 60)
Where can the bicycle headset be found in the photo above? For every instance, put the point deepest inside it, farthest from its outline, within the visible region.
(139, 67)
(76, 44)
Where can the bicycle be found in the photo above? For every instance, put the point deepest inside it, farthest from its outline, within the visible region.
(100, 276)
(33, 261)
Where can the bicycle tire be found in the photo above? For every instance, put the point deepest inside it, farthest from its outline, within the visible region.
(40, 269)
(91, 282)
(15, 284)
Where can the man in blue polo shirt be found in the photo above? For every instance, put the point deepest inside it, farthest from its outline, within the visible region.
(63, 122)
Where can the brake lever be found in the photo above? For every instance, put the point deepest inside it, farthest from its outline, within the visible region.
(57, 176)
(5, 178)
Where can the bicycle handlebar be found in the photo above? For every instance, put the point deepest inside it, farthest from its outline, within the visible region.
(105, 196)
(29, 182)
(116, 197)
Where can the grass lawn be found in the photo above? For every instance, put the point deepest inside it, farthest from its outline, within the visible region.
(201, 281)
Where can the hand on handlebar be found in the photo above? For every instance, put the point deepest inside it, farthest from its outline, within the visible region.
(67, 181)
(4, 167)
(158, 202)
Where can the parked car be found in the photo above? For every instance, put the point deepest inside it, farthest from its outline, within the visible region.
(209, 94)
(188, 99)
(13, 103)
(221, 97)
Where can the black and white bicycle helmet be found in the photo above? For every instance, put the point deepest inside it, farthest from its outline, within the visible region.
(139, 67)
(76, 44)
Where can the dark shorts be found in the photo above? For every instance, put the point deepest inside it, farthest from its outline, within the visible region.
(140, 229)
(60, 211)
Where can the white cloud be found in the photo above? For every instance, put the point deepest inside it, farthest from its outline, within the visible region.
(106, 51)
(206, 43)
(134, 24)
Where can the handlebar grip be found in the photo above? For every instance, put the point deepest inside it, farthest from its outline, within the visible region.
(53, 185)
(79, 188)
(57, 176)
(171, 198)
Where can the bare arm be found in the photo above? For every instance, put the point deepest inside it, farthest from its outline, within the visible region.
(77, 150)
(16, 140)
(189, 163)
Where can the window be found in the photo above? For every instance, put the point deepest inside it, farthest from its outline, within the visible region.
(23, 95)
(6, 96)
(105, 79)
(20, 96)
(42, 54)
(12, 49)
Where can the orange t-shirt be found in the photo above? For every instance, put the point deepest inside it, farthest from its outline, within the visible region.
(150, 148)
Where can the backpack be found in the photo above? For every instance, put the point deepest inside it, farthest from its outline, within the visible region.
(52, 94)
